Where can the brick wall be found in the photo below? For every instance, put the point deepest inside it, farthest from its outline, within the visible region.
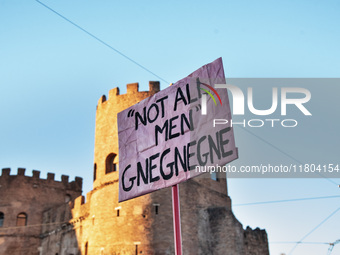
(30, 195)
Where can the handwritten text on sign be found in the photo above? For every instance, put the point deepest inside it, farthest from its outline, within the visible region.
(164, 137)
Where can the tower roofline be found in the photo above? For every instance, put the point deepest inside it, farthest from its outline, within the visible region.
(131, 88)
(35, 178)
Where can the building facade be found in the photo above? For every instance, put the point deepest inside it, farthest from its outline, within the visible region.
(23, 200)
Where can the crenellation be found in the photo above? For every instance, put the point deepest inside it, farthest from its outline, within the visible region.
(113, 92)
(64, 179)
(78, 181)
(102, 99)
(132, 88)
(6, 172)
(78, 202)
(50, 176)
(21, 171)
(154, 86)
(36, 174)
(75, 185)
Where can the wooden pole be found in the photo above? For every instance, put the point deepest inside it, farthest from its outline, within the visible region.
(176, 219)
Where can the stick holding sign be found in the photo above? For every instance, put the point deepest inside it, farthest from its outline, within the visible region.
(177, 219)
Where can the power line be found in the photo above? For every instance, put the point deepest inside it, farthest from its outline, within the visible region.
(315, 228)
(283, 152)
(101, 41)
(286, 200)
(299, 243)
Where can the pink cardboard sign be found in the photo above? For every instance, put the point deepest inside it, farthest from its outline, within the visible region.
(165, 139)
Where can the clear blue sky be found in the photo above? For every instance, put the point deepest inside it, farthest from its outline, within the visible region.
(52, 75)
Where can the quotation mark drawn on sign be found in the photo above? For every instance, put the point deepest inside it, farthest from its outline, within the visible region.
(130, 113)
(208, 92)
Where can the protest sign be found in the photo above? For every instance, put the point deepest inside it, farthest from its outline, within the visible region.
(165, 139)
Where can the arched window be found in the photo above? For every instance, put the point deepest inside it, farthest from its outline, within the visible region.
(110, 165)
(94, 172)
(2, 217)
(67, 198)
(22, 219)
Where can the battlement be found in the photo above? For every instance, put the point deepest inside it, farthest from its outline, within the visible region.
(81, 207)
(131, 89)
(75, 185)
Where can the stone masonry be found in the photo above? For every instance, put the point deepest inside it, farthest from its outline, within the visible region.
(24, 196)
